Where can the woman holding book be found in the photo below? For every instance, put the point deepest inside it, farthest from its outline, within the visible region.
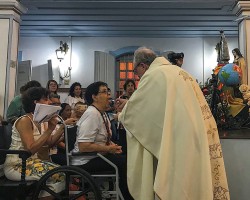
(27, 135)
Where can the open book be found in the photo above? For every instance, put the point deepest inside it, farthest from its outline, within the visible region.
(44, 112)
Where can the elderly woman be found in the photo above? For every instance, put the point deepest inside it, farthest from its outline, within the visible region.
(27, 135)
(94, 134)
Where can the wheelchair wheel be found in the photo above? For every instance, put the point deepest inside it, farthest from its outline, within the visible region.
(77, 184)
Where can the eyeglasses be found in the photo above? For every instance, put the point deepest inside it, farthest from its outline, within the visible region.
(104, 92)
(135, 68)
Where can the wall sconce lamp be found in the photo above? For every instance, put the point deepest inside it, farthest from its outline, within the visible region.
(62, 50)
(64, 73)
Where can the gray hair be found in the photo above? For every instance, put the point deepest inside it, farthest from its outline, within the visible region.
(144, 55)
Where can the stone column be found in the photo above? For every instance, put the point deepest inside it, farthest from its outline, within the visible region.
(242, 11)
(10, 11)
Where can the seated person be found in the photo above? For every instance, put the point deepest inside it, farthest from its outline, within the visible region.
(55, 100)
(129, 88)
(75, 94)
(15, 108)
(26, 135)
(57, 153)
(79, 109)
(44, 151)
(93, 135)
(53, 86)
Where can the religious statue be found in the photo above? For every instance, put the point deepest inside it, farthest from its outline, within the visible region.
(222, 53)
(222, 50)
(240, 61)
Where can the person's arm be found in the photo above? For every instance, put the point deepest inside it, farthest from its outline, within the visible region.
(91, 147)
(55, 138)
(119, 104)
(25, 128)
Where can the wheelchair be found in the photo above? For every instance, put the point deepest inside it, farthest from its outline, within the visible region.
(111, 178)
(87, 185)
(30, 190)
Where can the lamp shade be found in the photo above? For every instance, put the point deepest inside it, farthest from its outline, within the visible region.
(60, 54)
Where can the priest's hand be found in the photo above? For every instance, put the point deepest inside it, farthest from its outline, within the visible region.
(119, 104)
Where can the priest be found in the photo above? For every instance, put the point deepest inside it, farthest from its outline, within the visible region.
(174, 152)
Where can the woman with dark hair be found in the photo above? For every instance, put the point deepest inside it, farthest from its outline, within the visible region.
(15, 108)
(94, 135)
(27, 135)
(129, 88)
(57, 153)
(52, 86)
(176, 58)
(240, 61)
(75, 95)
(65, 112)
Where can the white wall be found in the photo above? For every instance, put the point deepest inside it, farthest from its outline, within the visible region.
(200, 55)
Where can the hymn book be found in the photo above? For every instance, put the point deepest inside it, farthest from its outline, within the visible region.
(44, 112)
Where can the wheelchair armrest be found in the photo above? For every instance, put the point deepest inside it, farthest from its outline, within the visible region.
(24, 155)
(84, 153)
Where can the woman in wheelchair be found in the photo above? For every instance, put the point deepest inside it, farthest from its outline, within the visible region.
(94, 134)
(27, 135)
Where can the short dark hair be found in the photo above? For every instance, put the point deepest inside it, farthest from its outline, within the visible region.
(93, 89)
(22, 89)
(72, 88)
(31, 84)
(127, 82)
(63, 106)
(53, 95)
(172, 57)
(32, 94)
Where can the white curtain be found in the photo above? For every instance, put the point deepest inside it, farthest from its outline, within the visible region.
(105, 69)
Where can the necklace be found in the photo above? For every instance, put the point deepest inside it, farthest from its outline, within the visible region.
(105, 120)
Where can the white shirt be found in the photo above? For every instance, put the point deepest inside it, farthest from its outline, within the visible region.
(91, 128)
(73, 100)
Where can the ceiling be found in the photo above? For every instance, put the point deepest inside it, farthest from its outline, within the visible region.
(121, 18)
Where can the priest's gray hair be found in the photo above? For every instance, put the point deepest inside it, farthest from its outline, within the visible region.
(144, 55)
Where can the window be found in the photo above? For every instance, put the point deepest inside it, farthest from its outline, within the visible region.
(125, 71)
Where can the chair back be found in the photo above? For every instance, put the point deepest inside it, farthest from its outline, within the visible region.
(5, 138)
(70, 139)
(71, 131)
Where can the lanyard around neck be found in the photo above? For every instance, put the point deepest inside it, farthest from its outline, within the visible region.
(104, 115)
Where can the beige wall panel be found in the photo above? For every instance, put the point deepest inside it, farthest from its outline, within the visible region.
(13, 66)
(4, 24)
